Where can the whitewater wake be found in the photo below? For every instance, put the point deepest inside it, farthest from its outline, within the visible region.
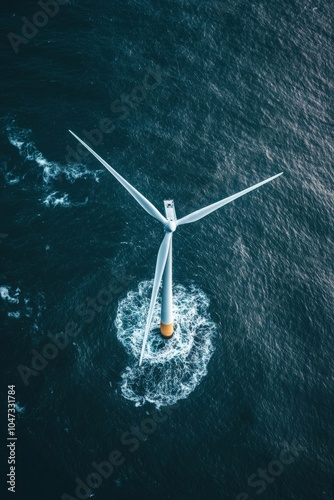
(171, 368)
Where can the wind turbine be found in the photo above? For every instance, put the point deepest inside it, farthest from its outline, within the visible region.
(163, 269)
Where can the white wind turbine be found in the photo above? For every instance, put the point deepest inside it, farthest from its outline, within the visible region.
(163, 269)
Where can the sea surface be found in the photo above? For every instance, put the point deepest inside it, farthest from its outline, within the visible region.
(192, 101)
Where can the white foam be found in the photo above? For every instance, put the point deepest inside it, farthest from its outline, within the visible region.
(23, 304)
(11, 178)
(14, 314)
(61, 199)
(172, 368)
(5, 295)
(16, 143)
(52, 171)
(55, 198)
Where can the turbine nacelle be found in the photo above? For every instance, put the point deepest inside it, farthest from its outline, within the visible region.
(171, 223)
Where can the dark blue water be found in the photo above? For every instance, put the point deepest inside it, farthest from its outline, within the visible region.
(192, 101)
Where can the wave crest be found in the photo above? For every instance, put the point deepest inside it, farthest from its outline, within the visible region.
(51, 172)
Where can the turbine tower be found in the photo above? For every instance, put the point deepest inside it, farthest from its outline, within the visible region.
(163, 269)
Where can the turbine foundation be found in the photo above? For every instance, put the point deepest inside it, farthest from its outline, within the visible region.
(166, 330)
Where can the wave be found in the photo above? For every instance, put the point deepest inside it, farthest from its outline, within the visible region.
(5, 294)
(58, 199)
(51, 171)
(172, 368)
(24, 306)
(11, 177)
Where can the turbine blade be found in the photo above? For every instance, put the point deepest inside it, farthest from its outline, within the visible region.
(159, 269)
(147, 205)
(194, 216)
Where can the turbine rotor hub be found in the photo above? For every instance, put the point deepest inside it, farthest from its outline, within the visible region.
(170, 226)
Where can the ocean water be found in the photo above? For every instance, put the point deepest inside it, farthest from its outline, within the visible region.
(190, 100)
